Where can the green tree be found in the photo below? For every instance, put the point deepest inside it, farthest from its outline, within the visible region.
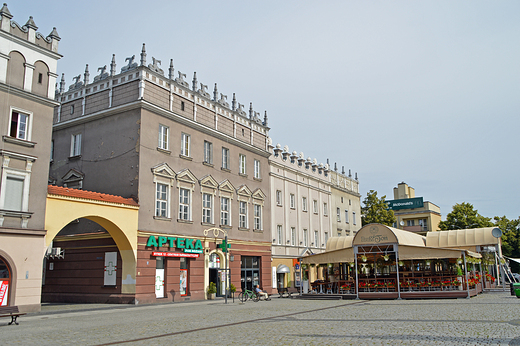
(464, 216)
(375, 210)
(510, 238)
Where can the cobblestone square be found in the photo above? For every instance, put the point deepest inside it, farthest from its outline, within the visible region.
(488, 319)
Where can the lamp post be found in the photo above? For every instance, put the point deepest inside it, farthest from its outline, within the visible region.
(224, 246)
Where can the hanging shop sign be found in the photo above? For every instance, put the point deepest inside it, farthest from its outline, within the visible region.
(408, 203)
(193, 246)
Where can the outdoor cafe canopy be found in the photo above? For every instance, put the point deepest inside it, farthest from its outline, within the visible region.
(410, 246)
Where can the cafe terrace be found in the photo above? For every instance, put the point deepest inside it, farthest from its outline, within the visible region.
(381, 262)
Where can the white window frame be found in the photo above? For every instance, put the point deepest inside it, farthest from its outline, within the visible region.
(75, 144)
(346, 216)
(304, 203)
(242, 214)
(225, 215)
(278, 197)
(315, 206)
(28, 124)
(257, 217)
(257, 169)
(279, 234)
(225, 158)
(338, 214)
(305, 237)
(339, 232)
(242, 164)
(325, 209)
(164, 132)
(316, 239)
(292, 201)
(162, 201)
(354, 217)
(293, 236)
(185, 144)
(15, 174)
(208, 152)
(326, 238)
(207, 208)
(184, 204)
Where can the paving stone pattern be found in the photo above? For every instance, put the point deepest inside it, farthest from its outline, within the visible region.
(488, 319)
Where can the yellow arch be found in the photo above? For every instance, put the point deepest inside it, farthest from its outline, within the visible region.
(120, 220)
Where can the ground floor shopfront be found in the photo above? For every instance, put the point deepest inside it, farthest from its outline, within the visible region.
(178, 268)
(383, 262)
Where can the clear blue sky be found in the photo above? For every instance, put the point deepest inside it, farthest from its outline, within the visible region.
(425, 92)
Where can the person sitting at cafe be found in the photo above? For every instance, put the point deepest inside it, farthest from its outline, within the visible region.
(261, 293)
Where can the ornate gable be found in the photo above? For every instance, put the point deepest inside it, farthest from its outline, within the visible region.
(259, 194)
(244, 193)
(208, 184)
(226, 189)
(163, 173)
(73, 179)
(186, 176)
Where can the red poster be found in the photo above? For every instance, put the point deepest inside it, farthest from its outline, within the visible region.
(4, 292)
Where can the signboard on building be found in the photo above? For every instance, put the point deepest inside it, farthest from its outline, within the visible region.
(407, 203)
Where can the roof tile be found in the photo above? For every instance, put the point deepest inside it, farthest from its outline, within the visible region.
(96, 196)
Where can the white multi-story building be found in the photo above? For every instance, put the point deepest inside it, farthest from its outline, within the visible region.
(304, 199)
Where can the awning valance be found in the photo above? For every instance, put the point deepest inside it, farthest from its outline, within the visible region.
(422, 252)
(336, 256)
(462, 237)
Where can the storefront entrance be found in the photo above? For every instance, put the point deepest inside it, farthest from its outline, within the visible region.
(215, 273)
(250, 272)
(5, 280)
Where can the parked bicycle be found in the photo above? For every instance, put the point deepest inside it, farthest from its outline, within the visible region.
(246, 294)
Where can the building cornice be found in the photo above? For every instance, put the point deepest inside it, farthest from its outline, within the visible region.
(30, 45)
(27, 95)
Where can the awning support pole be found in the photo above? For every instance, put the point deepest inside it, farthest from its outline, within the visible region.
(357, 281)
(398, 283)
(466, 272)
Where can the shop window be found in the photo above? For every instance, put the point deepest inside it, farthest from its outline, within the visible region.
(5, 283)
(159, 277)
(250, 272)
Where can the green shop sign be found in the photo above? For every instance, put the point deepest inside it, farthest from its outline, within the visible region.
(187, 245)
(407, 203)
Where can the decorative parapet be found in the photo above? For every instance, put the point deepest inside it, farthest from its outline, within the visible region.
(28, 31)
(311, 166)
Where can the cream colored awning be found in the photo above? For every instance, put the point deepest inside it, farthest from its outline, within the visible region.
(335, 256)
(407, 252)
(336, 243)
(462, 237)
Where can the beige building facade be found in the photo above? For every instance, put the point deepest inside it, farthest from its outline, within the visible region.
(412, 213)
(28, 62)
(304, 198)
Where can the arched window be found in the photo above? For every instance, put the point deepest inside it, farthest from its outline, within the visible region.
(40, 82)
(16, 70)
(5, 283)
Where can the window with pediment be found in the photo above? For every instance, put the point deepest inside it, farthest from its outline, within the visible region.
(244, 199)
(186, 184)
(209, 187)
(226, 193)
(163, 178)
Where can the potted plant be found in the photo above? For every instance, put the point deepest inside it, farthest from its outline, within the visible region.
(386, 257)
(363, 258)
(212, 290)
(232, 289)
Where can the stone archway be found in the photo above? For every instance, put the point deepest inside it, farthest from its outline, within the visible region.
(117, 215)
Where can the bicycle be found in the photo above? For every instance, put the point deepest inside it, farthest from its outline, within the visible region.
(246, 294)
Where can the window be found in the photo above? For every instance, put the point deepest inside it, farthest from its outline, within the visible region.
(326, 237)
(182, 105)
(13, 193)
(410, 222)
(305, 238)
(163, 137)
(40, 78)
(207, 210)
(242, 163)
(242, 214)
(19, 126)
(258, 216)
(278, 197)
(185, 145)
(325, 208)
(338, 214)
(293, 236)
(346, 216)
(353, 218)
(279, 234)
(304, 203)
(224, 211)
(257, 169)
(184, 204)
(316, 240)
(339, 233)
(75, 145)
(225, 158)
(292, 201)
(71, 109)
(52, 150)
(315, 206)
(161, 200)
(208, 152)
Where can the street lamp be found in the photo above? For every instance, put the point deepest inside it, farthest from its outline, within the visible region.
(224, 246)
